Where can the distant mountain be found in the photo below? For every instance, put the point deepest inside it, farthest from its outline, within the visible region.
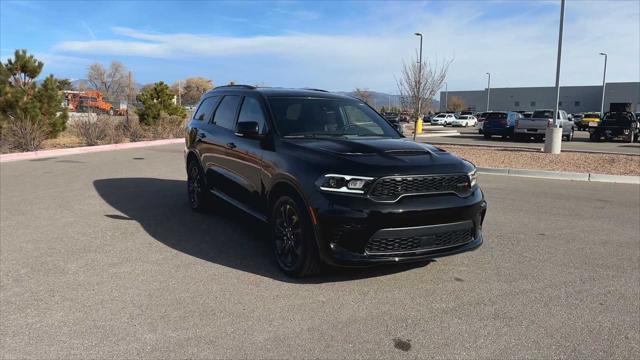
(380, 99)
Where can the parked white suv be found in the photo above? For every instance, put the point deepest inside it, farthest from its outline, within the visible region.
(443, 119)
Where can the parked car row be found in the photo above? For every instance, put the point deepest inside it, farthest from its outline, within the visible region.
(464, 119)
(618, 123)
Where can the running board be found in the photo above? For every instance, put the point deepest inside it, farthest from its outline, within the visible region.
(240, 206)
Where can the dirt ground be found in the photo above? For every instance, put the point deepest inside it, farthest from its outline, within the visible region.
(612, 164)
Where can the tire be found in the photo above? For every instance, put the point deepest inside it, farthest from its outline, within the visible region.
(631, 136)
(110, 112)
(199, 198)
(594, 137)
(293, 239)
(487, 136)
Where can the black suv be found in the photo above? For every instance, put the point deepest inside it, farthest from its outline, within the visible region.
(334, 180)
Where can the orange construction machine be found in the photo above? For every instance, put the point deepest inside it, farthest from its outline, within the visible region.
(91, 101)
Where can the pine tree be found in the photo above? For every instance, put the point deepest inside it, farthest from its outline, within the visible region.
(156, 99)
(29, 113)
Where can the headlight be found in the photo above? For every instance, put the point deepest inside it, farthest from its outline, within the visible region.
(473, 178)
(344, 183)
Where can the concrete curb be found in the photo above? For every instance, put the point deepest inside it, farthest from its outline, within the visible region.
(561, 175)
(524, 147)
(84, 150)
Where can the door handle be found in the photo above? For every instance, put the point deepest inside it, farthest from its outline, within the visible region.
(231, 145)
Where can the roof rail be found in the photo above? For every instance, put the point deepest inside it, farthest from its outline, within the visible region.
(312, 89)
(236, 85)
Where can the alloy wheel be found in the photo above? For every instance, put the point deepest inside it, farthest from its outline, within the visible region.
(288, 236)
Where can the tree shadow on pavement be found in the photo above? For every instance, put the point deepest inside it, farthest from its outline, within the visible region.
(228, 237)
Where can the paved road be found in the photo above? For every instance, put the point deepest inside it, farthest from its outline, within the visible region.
(101, 258)
(580, 142)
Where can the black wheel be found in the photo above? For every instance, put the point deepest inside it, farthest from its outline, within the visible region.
(487, 136)
(196, 188)
(294, 244)
(594, 137)
(632, 137)
(110, 112)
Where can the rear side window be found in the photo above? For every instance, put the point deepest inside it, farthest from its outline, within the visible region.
(206, 109)
(226, 113)
(252, 111)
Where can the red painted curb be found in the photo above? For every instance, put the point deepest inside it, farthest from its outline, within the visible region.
(85, 150)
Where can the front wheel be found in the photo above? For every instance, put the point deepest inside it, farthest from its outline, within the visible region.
(487, 136)
(294, 244)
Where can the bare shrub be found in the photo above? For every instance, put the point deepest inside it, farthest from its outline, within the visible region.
(25, 133)
(168, 127)
(90, 131)
(115, 132)
(133, 130)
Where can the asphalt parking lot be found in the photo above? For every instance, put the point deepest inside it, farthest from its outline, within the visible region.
(470, 136)
(102, 258)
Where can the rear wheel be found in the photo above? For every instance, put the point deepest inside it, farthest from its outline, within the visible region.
(294, 244)
(632, 136)
(196, 188)
(487, 136)
(594, 137)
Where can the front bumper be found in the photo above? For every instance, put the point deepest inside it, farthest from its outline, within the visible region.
(412, 229)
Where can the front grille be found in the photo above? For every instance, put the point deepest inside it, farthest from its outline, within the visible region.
(392, 188)
(385, 245)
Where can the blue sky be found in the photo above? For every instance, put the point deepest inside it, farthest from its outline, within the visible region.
(331, 44)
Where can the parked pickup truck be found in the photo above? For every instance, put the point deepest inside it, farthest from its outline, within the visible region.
(536, 126)
(618, 124)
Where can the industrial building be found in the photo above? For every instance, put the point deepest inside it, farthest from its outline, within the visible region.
(573, 99)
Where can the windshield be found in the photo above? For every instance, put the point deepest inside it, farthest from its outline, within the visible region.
(540, 114)
(316, 117)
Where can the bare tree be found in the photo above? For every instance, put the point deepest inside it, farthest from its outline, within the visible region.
(419, 84)
(363, 94)
(455, 104)
(191, 89)
(112, 82)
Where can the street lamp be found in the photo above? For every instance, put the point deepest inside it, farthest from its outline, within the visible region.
(553, 135)
(446, 97)
(415, 126)
(604, 76)
(488, 89)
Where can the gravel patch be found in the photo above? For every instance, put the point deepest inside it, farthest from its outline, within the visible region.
(611, 164)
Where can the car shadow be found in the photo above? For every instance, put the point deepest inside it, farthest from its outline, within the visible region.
(227, 237)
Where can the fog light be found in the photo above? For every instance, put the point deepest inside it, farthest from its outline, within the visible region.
(356, 184)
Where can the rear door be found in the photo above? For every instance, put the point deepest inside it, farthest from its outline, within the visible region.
(199, 133)
(220, 175)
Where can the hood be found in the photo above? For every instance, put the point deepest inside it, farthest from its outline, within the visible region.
(381, 156)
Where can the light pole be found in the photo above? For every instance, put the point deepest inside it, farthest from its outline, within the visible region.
(604, 77)
(488, 89)
(446, 97)
(415, 126)
(553, 135)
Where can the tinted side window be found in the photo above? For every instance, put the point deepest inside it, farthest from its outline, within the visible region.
(252, 111)
(206, 108)
(225, 115)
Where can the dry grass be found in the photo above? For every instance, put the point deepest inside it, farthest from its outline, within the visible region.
(612, 164)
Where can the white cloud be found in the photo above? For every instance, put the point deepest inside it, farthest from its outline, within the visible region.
(518, 49)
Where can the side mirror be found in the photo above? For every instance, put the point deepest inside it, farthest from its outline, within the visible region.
(248, 129)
